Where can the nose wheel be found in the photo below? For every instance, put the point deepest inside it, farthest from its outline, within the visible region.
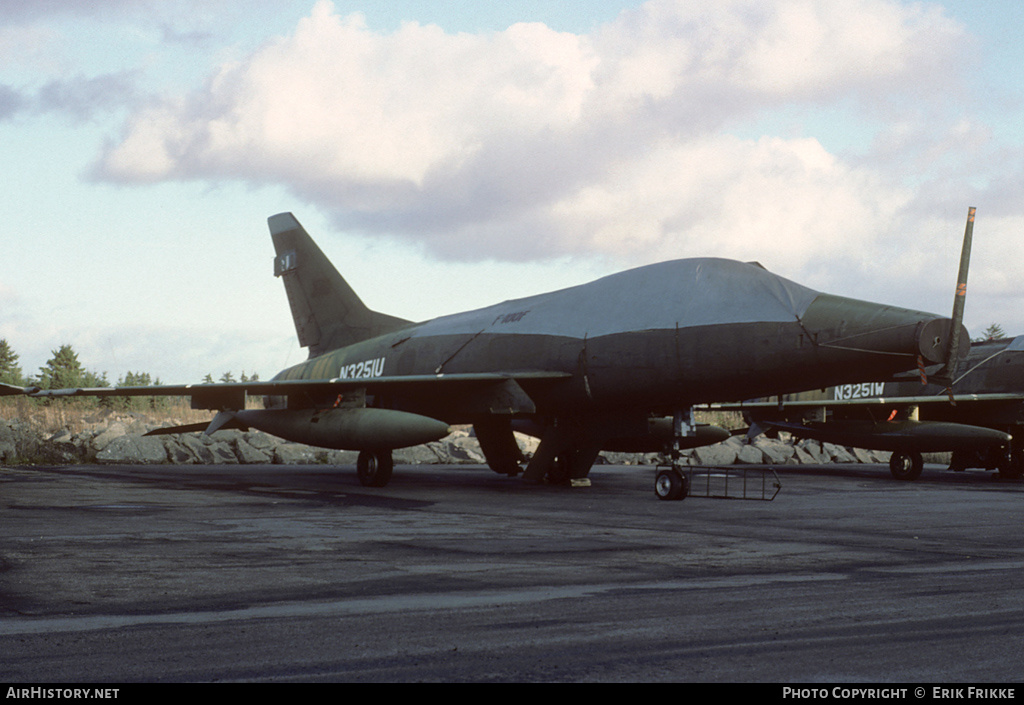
(671, 484)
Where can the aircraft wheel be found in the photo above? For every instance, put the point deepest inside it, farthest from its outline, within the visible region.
(906, 466)
(374, 467)
(671, 484)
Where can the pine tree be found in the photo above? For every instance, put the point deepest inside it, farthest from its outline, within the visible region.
(64, 370)
(993, 332)
(10, 371)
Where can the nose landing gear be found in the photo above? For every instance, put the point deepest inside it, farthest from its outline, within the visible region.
(671, 483)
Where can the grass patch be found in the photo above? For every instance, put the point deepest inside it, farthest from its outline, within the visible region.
(48, 417)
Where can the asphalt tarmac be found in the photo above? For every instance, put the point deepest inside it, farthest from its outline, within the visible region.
(119, 574)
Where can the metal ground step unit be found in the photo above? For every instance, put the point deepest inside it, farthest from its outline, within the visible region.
(754, 483)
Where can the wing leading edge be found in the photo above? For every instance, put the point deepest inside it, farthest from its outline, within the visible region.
(232, 395)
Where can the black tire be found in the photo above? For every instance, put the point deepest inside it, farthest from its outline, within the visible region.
(374, 468)
(671, 485)
(906, 466)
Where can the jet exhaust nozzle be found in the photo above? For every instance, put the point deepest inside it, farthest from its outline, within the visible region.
(934, 338)
(842, 323)
(347, 429)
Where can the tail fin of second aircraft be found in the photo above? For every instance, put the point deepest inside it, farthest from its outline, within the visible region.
(328, 314)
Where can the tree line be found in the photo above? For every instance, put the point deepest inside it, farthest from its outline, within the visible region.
(64, 370)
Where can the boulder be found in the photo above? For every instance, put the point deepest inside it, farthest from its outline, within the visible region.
(428, 454)
(177, 452)
(802, 457)
(613, 458)
(223, 453)
(463, 449)
(261, 441)
(838, 454)
(717, 454)
(862, 456)
(527, 444)
(294, 454)
(114, 430)
(246, 453)
(18, 441)
(342, 457)
(134, 449)
(814, 450)
(775, 451)
(751, 455)
(192, 444)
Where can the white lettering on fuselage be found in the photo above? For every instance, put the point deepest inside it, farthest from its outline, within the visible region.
(362, 370)
(858, 391)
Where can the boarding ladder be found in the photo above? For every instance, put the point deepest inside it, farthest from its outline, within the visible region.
(751, 483)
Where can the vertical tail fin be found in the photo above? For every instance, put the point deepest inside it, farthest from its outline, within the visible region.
(328, 314)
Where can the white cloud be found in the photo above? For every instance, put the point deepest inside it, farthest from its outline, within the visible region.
(530, 143)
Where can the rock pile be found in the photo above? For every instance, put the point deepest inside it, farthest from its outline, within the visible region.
(121, 439)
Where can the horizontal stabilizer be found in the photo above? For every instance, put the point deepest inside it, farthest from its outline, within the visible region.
(223, 421)
(171, 430)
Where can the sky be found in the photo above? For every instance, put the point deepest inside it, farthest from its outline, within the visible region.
(451, 155)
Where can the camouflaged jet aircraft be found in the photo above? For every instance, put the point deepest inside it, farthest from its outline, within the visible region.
(618, 363)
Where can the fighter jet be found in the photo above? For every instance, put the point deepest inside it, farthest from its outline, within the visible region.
(618, 363)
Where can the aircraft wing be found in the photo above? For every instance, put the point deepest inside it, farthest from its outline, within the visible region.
(485, 391)
(999, 410)
(871, 401)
